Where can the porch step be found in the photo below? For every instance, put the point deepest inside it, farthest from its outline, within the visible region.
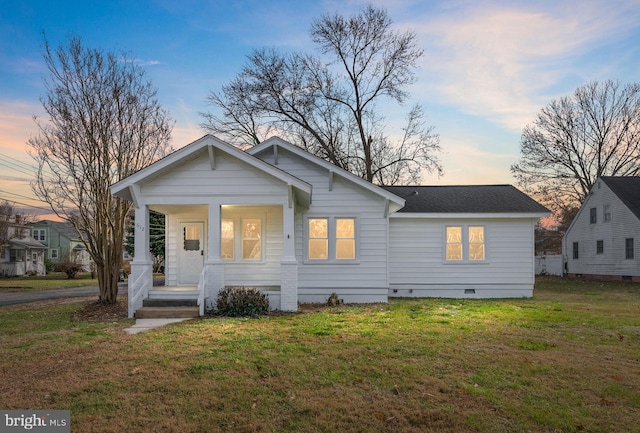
(169, 302)
(167, 312)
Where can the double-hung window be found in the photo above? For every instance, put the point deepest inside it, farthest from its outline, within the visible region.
(331, 238)
(628, 249)
(241, 239)
(39, 234)
(465, 243)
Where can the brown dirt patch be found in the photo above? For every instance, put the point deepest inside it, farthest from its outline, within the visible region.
(98, 312)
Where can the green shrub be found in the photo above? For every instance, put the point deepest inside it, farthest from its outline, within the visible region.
(242, 301)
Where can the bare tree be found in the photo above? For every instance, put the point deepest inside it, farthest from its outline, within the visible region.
(6, 211)
(574, 140)
(328, 105)
(104, 123)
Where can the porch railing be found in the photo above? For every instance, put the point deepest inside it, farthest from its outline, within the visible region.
(137, 290)
(201, 293)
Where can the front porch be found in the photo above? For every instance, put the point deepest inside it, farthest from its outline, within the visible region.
(201, 258)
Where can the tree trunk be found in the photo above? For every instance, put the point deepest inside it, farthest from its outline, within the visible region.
(108, 282)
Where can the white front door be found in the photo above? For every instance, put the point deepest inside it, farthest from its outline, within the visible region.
(191, 253)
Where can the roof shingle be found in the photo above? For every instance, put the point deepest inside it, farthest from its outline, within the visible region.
(627, 188)
(466, 199)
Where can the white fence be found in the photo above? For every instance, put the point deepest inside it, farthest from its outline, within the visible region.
(549, 265)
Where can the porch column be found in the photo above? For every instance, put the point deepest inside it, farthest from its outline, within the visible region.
(289, 264)
(141, 277)
(214, 266)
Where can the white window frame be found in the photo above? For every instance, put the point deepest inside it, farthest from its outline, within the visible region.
(237, 238)
(332, 239)
(39, 233)
(465, 245)
(606, 213)
(54, 254)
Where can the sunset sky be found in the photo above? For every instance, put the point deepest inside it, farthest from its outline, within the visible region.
(489, 66)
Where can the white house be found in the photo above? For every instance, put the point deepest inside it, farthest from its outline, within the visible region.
(20, 254)
(277, 218)
(602, 241)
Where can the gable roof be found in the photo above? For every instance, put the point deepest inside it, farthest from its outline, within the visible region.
(274, 142)
(627, 188)
(125, 188)
(61, 227)
(483, 199)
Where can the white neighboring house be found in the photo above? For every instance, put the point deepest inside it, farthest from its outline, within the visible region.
(21, 254)
(602, 240)
(287, 222)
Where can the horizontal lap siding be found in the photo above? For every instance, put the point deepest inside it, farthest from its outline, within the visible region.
(230, 177)
(346, 199)
(416, 253)
(623, 224)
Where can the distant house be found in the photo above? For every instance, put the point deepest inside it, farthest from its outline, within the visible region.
(62, 242)
(280, 219)
(20, 254)
(602, 241)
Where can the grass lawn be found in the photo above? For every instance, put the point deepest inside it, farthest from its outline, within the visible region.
(54, 280)
(566, 361)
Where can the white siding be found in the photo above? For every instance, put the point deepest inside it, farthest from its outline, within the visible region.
(363, 281)
(417, 265)
(623, 224)
(194, 181)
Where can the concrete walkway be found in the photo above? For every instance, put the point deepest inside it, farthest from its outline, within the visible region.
(147, 324)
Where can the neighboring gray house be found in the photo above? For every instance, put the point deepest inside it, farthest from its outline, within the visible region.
(20, 254)
(602, 241)
(61, 240)
(280, 219)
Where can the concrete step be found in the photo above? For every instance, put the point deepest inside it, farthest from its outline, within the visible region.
(167, 312)
(169, 302)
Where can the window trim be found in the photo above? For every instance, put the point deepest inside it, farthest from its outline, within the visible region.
(332, 239)
(606, 213)
(465, 245)
(593, 215)
(599, 247)
(39, 234)
(576, 251)
(51, 253)
(628, 250)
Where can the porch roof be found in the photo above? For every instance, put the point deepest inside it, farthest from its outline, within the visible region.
(26, 243)
(126, 187)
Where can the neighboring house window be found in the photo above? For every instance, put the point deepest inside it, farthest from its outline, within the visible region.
(331, 238)
(228, 247)
(251, 239)
(575, 251)
(628, 248)
(593, 216)
(53, 253)
(599, 247)
(607, 213)
(39, 234)
(464, 241)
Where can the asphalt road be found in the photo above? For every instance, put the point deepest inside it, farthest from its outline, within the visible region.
(46, 295)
